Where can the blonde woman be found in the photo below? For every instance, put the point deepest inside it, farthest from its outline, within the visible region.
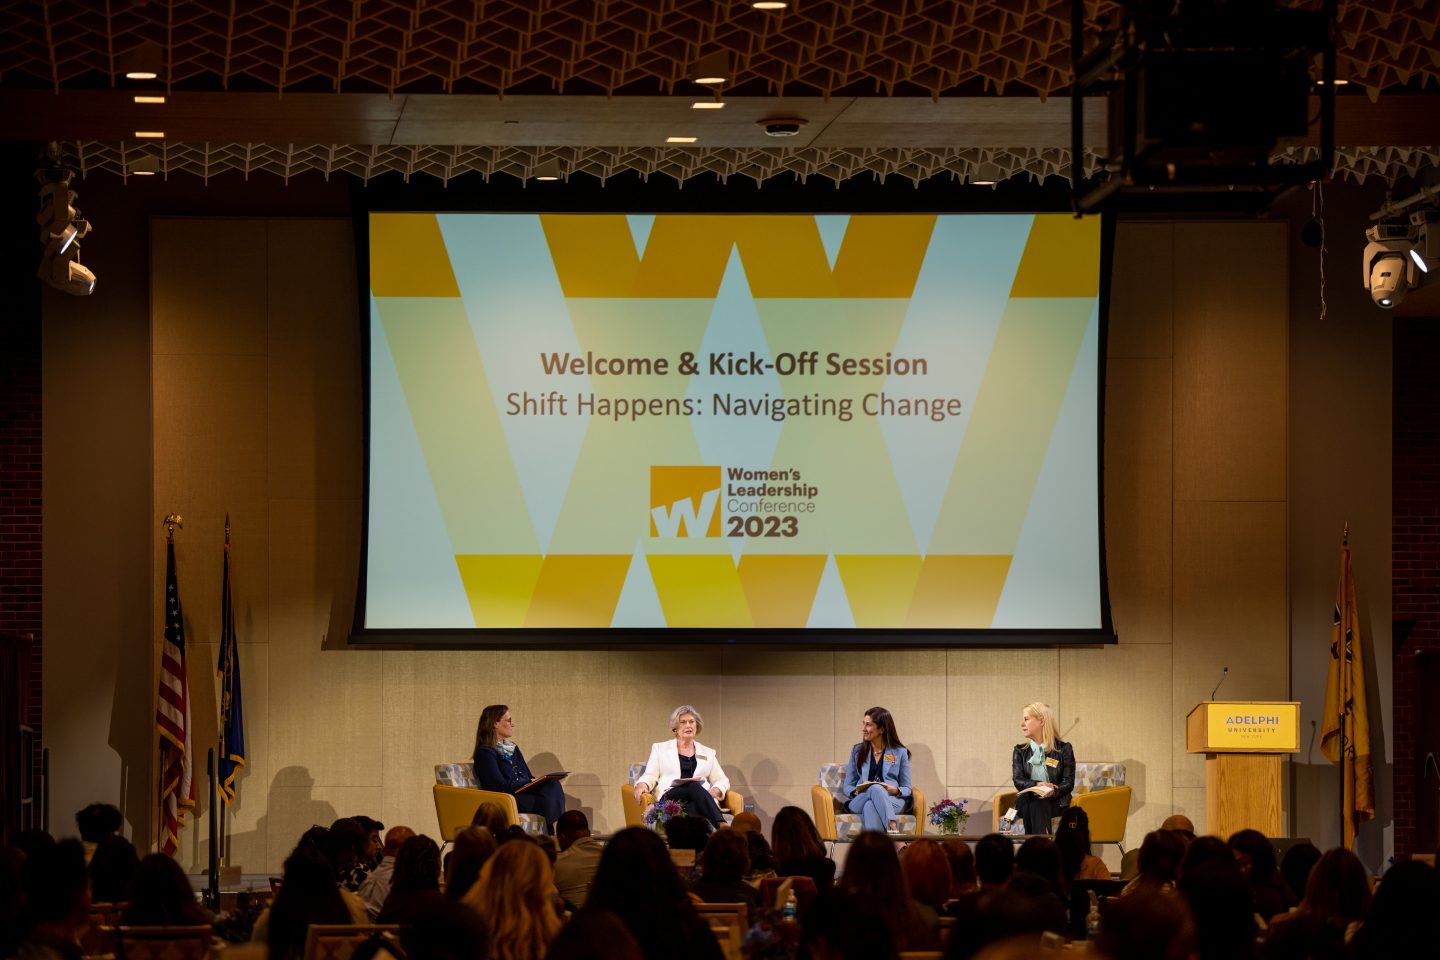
(516, 896)
(1043, 768)
(685, 759)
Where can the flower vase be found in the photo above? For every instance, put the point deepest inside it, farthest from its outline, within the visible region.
(949, 828)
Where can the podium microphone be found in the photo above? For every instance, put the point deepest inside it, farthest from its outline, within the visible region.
(1224, 672)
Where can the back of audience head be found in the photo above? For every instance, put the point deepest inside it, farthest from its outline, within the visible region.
(98, 820)
(395, 838)
(1254, 855)
(793, 837)
(1338, 890)
(927, 872)
(1147, 926)
(445, 929)
(417, 865)
(746, 822)
(637, 881)
(492, 817)
(1296, 865)
(12, 902)
(308, 894)
(1038, 855)
(762, 859)
(513, 894)
(1072, 840)
(1181, 824)
(28, 842)
(872, 872)
(1207, 850)
(994, 859)
(1160, 856)
(346, 844)
(687, 832)
(962, 866)
(571, 826)
(56, 888)
(1409, 890)
(162, 895)
(726, 857)
(111, 868)
(1224, 911)
(844, 926)
(594, 935)
(471, 848)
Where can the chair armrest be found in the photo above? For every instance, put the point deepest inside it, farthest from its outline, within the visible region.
(917, 808)
(1108, 810)
(1000, 805)
(734, 803)
(824, 807)
(634, 811)
(455, 807)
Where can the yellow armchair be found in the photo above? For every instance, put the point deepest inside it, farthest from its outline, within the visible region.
(835, 825)
(732, 803)
(1100, 791)
(455, 807)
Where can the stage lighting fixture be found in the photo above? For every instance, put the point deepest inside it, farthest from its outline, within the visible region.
(61, 229)
(1388, 268)
(547, 171)
(713, 69)
(1425, 251)
(142, 62)
(67, 274)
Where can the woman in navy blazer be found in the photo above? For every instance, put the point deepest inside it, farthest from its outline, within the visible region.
(1042, 759)
(500, 766)
(877, 778)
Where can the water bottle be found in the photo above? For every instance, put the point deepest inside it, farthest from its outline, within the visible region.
(791, 906)
(1092, 919)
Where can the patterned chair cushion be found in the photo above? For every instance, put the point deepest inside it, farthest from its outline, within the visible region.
(463, 775)
(832, 778)
(1091, 775)
(635, 770)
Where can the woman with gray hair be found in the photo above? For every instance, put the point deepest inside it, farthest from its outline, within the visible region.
(684, 769)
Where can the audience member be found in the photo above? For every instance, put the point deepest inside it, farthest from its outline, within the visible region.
(12, 902)
(579, 857)
(872, 873)
(687, 833)
(445, 929)
(1255, 856)
(376, 885)
(346, 844)
(1338, 891)
(374, 845)
(1224, 913)
(1159, 863)
(1002, 912)
(471, 848)
(492, 817)
(638, 883)
(927, 871)
(1181, 824)
(746, 822)
(594, 935)
(1072, 840)
(112, 866)
(1408, 894)
(96, 822)
(762, 859)
(798, 850)
(1296, 865)
(162, 896)
(1037, 880)
(309, 893)
(1039, 856)
(842, 926)
(963, 881)
(1148, 925)
(994, 860)
(513, 894)
(57, 898)
(723, 865)
(1203, 850)
(417, 870)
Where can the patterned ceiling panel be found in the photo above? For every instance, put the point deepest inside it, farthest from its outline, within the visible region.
(648, 46)
(208, 160)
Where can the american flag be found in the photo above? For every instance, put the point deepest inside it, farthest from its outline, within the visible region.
(172, 718)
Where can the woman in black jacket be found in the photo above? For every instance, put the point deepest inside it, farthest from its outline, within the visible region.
(1043, 768)
(500, 766)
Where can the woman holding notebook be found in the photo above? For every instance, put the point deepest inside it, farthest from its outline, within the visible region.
(500, 766)
(684, 769)
(1043, 768)
(877, 778)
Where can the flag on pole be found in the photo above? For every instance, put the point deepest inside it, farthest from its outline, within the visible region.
(232, 714)
(172, 718)
(1345, 733)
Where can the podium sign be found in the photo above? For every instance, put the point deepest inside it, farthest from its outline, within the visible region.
(1243, 727)
(1243, 742)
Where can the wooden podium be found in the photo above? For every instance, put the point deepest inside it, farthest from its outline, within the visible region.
(1243, 742)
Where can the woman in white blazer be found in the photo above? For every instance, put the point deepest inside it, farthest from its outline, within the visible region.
(685, 759)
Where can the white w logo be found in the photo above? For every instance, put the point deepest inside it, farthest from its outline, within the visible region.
(667, 522)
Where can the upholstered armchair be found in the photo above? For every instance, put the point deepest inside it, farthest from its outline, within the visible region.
(732, 803)
(838, 825)
(458, 796)
(1100, 791)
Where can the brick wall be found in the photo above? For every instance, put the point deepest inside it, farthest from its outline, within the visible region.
(1416, 551)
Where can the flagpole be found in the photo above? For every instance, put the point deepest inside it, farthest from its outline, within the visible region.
(220, 729)
(1345, 558)
(171, 521)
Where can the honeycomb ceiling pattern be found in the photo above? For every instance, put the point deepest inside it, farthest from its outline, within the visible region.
(681, 164)
(645, 46)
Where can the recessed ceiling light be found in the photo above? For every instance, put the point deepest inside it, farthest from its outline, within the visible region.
(707, 105)
(681, 139)
(144, 166)
(141, 75)
(144, 99)
(770, 4)
(150, 134)
(713, 68)
(982, 183)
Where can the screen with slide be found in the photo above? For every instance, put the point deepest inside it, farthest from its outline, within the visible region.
(614, 428)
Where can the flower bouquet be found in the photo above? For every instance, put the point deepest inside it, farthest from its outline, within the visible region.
(949, 815)
(658, 813)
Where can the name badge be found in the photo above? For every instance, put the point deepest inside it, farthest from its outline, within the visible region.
(701, 757)
(889, 758)
(1051, 762)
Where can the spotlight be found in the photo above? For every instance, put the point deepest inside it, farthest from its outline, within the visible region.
(713, 69)
(1426, 249)
(1388, 269)
(67, 274)
(142, 62)
(61, 229)
(547, 171)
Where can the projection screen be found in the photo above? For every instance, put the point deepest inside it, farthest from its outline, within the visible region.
(611, 428)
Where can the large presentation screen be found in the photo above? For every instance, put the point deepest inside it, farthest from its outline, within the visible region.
(616, 428)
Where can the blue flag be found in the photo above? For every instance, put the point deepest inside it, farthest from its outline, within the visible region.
(232, 714)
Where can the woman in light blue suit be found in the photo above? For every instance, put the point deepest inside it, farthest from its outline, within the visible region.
(877, 778)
